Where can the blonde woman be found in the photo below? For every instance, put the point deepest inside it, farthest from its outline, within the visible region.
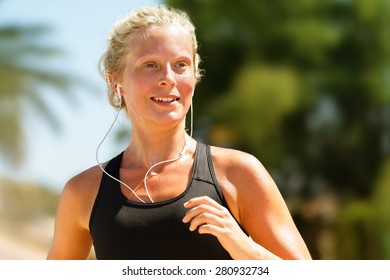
(167, 196)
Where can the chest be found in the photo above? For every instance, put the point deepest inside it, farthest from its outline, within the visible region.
(168, 182)
(122, 229)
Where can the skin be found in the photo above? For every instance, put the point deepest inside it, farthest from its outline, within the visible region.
(157, 85)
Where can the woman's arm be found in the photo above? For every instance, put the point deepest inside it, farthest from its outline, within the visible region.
(72, 239)
(257, 206)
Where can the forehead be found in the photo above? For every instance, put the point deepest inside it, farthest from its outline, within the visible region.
(169, 39)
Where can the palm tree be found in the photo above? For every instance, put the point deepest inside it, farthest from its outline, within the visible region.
(22, 75)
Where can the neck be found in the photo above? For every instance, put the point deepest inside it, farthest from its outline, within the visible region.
(147, 149)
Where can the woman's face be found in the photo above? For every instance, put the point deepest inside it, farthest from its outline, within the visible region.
(159, 77)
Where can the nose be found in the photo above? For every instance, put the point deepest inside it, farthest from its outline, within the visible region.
(168, 77)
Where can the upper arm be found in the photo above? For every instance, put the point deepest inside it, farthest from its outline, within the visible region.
(259, 206)
(72, 239)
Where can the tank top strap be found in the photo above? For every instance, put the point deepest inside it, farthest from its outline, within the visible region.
(113, 166)
(204, 168)
(201, 167)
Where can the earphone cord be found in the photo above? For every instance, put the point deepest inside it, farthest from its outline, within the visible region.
(101, 165)
(186, 146)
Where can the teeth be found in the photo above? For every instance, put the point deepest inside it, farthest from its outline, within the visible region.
(164, 99)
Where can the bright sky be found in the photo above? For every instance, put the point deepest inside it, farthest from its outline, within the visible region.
(80, 30)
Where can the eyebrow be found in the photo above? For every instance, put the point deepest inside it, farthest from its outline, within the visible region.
(147, 57)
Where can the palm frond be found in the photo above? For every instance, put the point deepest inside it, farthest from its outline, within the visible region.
(24, 76)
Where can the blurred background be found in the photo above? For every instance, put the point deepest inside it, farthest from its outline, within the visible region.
(303, 85)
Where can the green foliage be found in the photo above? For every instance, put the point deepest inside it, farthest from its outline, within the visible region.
(363, 227)
(381, 200)
(355, 232)
(259, 99)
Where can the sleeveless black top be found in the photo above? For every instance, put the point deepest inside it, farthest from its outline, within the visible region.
(124, 229)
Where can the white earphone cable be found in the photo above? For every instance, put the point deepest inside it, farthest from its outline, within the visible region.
(101, 165)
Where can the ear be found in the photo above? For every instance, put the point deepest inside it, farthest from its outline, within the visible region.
(109, 78)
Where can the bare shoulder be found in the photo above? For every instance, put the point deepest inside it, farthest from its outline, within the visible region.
(237, 165)
(81, 190)
(85, 183)
(73, 214)
(244, 180)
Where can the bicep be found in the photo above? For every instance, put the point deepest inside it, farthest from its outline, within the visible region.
(270, 224)
(265, 216)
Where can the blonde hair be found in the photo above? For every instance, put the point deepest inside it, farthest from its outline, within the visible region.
(125, 31)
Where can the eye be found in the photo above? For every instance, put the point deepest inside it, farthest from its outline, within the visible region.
(181, 64)
(150, 65)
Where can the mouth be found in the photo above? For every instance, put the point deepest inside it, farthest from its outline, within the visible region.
(165, 99)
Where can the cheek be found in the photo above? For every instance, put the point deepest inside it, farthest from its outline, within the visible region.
(138, 87)
(186, 85)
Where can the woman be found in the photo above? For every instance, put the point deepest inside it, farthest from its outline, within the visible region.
(167, 196)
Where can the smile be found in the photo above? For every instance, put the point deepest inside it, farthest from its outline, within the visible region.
(165, 99)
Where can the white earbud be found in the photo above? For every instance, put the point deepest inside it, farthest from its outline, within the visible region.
(118, 100)
(118, 91)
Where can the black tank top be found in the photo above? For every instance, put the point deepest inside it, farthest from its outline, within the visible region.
(124, 229)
